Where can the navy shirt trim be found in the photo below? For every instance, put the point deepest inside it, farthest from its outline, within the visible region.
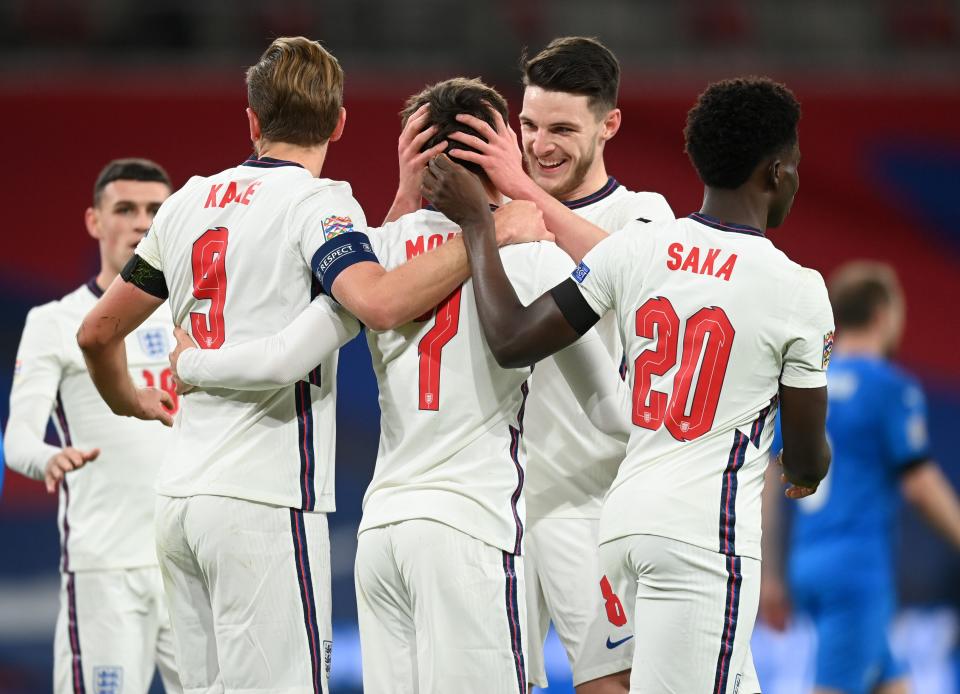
(719, 224)
(606, 191)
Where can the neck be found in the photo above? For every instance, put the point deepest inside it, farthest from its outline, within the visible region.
(310, 158)
(595, 179)
(494, 197)
(106, 276)
(865, 343)
(738, 206)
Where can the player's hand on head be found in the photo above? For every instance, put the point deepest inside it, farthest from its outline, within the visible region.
(154, 404)
(520, 221)
(67, 460)
(412, 161)
(500, 155)
(454, 191)
(184, 342)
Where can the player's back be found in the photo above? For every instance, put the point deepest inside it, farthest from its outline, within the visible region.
(876, 425)
(236, 250)
(451, 417)
(713, 318)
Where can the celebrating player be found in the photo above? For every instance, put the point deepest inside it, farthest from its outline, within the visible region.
(878, 430)
(241, 522)
(445, 508)
(113, 624)
(717, 326)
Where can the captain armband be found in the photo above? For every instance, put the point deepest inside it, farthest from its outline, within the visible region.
(339, 253)
(143, 275)
(574, 307)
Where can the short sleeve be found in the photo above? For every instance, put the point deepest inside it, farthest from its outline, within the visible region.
(905, 423)
(596, 275)
(149, 247)
(809, 341)
(332, 235)
(553, 267)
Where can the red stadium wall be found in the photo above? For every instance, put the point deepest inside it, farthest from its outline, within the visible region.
(853, 200)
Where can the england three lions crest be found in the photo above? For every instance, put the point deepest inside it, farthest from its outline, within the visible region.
(153, 342)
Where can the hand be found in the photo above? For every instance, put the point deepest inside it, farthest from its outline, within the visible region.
(412, 161)
(794, 491)
(499, 156)
(184, 342)
(153, 403)
(455, 192)
(774, 603)
(520, 221)
(65, 461)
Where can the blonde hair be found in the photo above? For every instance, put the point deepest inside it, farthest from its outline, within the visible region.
(296, 90)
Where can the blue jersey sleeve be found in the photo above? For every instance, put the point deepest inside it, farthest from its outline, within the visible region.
(905, 423)
(777, 444)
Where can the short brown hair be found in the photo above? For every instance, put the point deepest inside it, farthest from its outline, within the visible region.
(448, 98)
(132, 169)
(576, 65)
(296, 90)
(861, 287)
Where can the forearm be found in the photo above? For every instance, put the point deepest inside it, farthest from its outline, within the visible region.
(574, 234)
(931, 493)
(107, 365)
(806, 452)
(517, 335)
(24, 449)
(405, 202)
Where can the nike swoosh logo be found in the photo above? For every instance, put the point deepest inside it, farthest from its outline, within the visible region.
(613, 644)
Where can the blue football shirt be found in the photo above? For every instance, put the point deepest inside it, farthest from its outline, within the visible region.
(877, 427)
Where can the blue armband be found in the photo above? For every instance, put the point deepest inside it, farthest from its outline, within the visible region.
(339, 253)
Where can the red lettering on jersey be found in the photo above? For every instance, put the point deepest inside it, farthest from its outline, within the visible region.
(212, 197)
(674, 250)
(251, 189)
(434, 241)
(727, 268)
(230, 195)
(707, 267)
(692, 263)
(414, 248)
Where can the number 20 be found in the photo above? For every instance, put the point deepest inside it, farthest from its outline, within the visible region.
(709, 333)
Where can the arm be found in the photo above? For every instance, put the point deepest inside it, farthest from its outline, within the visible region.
(31, 401)
(412, 162)
(806, 452)
(774, 603)
(517, 335)
(270, 362)
(592, 376)
(123, 307)
(500, 157)
(926, 488)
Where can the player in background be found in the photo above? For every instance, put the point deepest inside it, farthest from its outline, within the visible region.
(718, 327)
(246, 485)
(569, 115)
(113, 629)
(878, 432)
(438, 584)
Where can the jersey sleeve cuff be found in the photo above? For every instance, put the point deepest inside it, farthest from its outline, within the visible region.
(574, 306)
(339, 253)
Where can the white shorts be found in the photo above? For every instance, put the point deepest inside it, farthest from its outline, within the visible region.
(439, 612)
(248, 587)
(694, 611)
(563, 586)
(113, 631)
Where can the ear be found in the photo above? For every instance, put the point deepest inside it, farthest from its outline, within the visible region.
(254, 122)
(773, 174)
(92, 222)
(341, 123)
(611, 124)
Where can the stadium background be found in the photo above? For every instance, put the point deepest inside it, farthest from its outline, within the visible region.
(84, 82)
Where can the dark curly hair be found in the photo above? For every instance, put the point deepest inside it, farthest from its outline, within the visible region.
(735, 124)
(450, 97)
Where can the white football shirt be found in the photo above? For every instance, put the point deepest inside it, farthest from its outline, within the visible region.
(106, 507)
(570, 463)
(236, 250)
(712, 318)
(451, 418)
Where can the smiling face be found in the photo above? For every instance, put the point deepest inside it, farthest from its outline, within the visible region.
(563, 140)
(122, 216)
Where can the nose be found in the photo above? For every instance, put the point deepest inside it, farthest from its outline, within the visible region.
(541, 144)
(143, 221)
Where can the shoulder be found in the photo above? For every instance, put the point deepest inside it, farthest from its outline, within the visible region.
(642, 205)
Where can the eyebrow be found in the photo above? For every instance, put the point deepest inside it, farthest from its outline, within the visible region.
(556, 124)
